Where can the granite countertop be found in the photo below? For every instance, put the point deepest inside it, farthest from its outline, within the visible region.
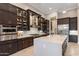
(3, 38)
(54, 38)
(19, 37)
(29, 35)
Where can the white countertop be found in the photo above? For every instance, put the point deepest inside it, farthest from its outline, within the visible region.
(53, 39)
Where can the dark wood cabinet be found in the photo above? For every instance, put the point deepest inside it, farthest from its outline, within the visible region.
(7, 16)
(4, 6)
(4, 50)
(11, 15)
(8, 47)
(73, 38)
(8, 7)
(12, 19)
(63, 21)
(12, 8)
(73, 23)
(20, 44)
(22, 20)
(43, 24)
(9, 19)
(27, 42)
(12, 47)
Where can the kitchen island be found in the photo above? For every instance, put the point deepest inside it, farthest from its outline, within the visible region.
(54, 45)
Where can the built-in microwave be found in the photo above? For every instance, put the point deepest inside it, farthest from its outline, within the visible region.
(7, 30)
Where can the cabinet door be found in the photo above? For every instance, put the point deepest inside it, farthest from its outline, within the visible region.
(12, 47)
(8, 19)
(4, 50)
(20, 44)
(30, 42)
(12, 19)
(59, 21)
(73, 23)
(25, 43)
(63, 21)
(8, 7)
(73, 38)
(4, 6)
(1, 17)
(12, 9)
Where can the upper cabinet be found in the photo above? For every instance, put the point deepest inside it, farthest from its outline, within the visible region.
(63, 21)
(22, 21)
(4, 6)
(36, 21)
(11, 15)
(7, 15)
(8, 7)
(43, 25)
(34, 18)
(73, 23)
(12, 8)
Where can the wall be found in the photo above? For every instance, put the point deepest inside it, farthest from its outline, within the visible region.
(70, 13)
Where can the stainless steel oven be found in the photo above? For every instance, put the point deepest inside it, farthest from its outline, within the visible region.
(7, 30)
(7, 33)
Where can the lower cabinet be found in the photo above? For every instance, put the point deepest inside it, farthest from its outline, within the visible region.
(20, 44)
(24, 43)
(27, 42)
(4, 50)
(11, 46)
(73, 38)
(8, 47)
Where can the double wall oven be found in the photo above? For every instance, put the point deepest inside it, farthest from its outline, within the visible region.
(7, 33)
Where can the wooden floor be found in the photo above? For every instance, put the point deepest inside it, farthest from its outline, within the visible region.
(72, 50)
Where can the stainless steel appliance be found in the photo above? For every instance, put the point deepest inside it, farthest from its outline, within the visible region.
(7, 30)
(63, 29)
(7, 33)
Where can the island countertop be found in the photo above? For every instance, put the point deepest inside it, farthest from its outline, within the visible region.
(53, 38)
(53, 45)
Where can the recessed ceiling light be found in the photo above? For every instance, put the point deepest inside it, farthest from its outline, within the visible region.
(64, 12)
(50, 8)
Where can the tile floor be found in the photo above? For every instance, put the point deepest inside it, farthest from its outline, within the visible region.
(25, 52)
(72, 50)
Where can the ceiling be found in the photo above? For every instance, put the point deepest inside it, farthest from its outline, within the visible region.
(56, 7)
